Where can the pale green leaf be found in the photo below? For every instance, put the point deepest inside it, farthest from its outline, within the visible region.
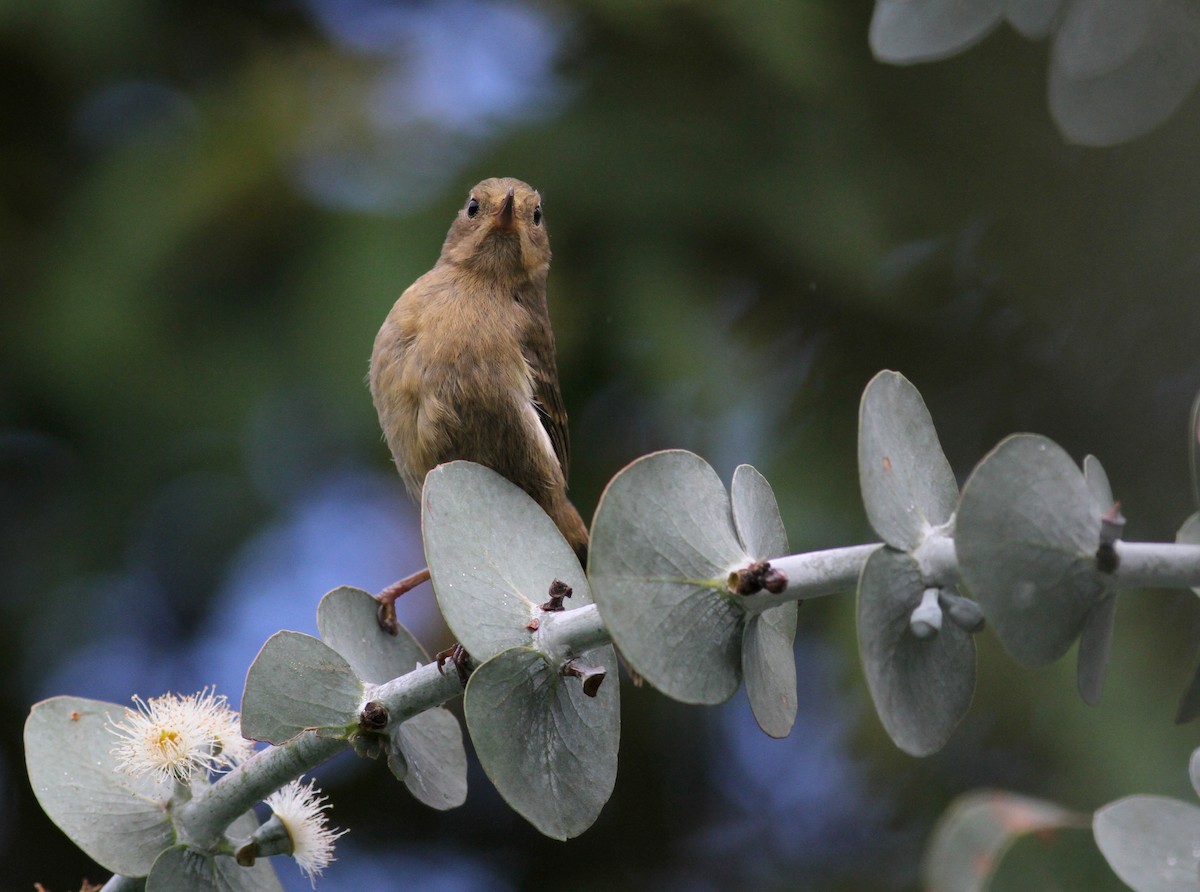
(769, 664)
(119, 821)
(180, 869)
(756, 515)
(1118, 69)
(1095, 645)
(663, 544)
(295, 684)
(493, 554)
(922, 687)
(430, 748)
(346, 618)
(768, 659)
(550, 749)
(1097, 483)
(1151, 842)
(906, 31)
(1033, 18)
(1026, 538)
(907, 484)
(971, 838)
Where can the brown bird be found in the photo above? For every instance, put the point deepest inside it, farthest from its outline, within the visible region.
(464, 365)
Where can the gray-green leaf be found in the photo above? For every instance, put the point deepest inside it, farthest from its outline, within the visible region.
(906, 31)
(921, 687)
(120, 821)
(346, 618)
(907, 484)
(180, 869)
(970, 840)
(295, 684)
(430, 748)
(769, 664)
(1026, 538)
(1097, 483)
(756, 515)
(1151, 842)
(550, 749)
(492, 554)
(663, 544)
(1095, 645)
(768, 658)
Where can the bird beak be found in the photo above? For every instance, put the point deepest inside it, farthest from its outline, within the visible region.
(504, 215)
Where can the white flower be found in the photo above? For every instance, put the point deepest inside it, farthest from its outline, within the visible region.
(176, 737)
(301, 810)
(224, 728)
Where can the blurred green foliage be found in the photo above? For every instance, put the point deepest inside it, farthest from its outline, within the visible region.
(750, 217)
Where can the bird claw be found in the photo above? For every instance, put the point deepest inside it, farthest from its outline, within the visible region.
(456, 654)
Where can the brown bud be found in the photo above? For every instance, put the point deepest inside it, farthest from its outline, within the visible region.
(374, 716)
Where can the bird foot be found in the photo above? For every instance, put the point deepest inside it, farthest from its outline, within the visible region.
(456, 654)
(386, 613)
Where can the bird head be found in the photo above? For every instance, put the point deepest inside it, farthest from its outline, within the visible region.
(500, 231)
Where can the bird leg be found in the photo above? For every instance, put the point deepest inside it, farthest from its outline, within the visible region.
(386, 613)
(456, 654)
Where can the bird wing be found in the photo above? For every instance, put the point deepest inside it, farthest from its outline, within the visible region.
(547, 398)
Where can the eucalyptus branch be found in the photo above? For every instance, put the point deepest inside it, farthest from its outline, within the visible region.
(1157, 565)
(572, 633)
(212, 809)
(814, 575)
(414, 692)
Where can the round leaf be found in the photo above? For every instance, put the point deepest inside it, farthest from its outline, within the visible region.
(905, 31)
(968, 844)
(1194, 770)
(430, 748)
(1032, 18)
(769, 664)
(1095, 641)
(346, 618)
(1151, 842)
(1026, 537)
(1097, 483)
(756, 515)
(180, 869)
(1118, 69)
(663, 543)
(296, 684)
(921, 687)
(550, 749)
(492, 554)
(907, 484)
(120, 821)
(768, 659)
(1095, 645)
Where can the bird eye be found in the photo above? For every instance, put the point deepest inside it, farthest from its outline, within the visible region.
(537, 216)
(472, 208)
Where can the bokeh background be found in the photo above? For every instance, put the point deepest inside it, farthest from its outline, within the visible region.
(207, 208)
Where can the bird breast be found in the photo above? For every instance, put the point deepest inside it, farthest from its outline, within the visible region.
(450, 381)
